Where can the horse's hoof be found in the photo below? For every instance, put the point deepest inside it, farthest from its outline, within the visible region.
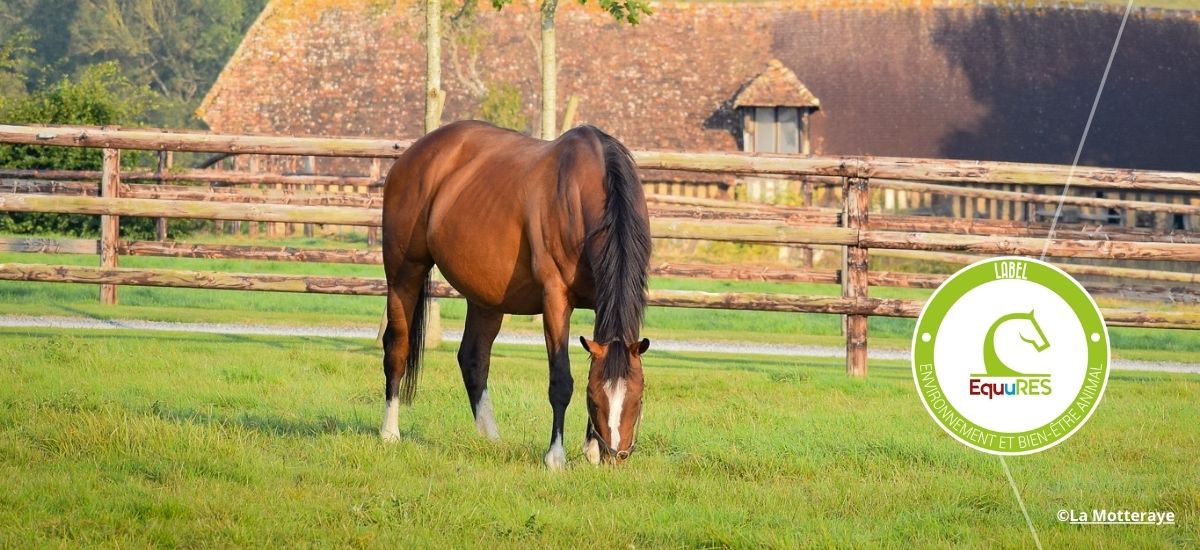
(591, 450)
(556, 458)
(485, 419)
(389, 437)
(487, 428)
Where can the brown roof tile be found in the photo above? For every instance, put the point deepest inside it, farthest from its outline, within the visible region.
(776, 86)
(983, 83)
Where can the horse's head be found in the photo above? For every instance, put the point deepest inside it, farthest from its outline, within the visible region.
(1038, 341)
(614, 399)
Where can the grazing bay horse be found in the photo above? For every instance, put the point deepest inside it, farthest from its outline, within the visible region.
(524, 226)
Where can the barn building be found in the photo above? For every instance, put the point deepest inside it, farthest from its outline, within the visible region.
(928, 79)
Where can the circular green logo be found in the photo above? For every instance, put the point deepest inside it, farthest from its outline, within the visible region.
(1010, 356)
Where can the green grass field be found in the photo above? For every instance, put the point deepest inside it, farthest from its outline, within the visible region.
(127, 439)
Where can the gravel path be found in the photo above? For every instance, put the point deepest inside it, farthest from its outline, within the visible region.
(17, 321)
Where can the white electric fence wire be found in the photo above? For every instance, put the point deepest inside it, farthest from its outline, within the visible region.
(1054, 225)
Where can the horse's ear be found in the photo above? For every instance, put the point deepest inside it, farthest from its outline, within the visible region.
(642, 346)
(590, 346)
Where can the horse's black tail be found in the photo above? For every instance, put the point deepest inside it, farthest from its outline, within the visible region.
(416, 343)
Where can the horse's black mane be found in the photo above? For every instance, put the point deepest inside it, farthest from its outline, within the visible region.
(620, 267)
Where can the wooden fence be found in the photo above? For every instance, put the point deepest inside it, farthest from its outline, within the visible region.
(1161, 210)
(851, 227)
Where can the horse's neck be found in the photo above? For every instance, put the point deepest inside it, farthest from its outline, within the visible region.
(991, 359)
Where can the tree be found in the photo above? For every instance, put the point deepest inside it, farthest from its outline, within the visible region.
(500, 103)
(16, 63)
(178, 47)
(629, 11)
(435, 97)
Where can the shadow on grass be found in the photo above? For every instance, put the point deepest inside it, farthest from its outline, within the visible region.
(81, 313)
(776, 366)
(124, 334)
(270, 424)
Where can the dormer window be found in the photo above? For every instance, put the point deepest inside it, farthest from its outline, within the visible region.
(775, 108)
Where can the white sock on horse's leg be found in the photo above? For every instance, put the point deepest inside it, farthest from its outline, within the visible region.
(556, 457)
(485, 419)
(591, 450)
(390, 431)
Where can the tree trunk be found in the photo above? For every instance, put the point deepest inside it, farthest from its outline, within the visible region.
(435, 97)
(549, 71)
(568, 119)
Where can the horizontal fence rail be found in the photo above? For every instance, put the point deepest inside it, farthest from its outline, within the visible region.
(668, 228)
(660, 206)
(153, 208)
(201, 142)
(198, 176)
(1022, 196)
(851, 227)
(371, 286)
(926, 170)
(1177, 291)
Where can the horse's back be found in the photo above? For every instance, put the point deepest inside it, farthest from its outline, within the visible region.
(501, 214)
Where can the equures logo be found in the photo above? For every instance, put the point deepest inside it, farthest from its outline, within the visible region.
(999, 379)
(1010, 356)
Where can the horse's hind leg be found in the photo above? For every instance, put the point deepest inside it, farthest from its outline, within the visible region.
(474, 358)
(404, 297)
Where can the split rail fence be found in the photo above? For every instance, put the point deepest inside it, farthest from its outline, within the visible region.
(852, 227)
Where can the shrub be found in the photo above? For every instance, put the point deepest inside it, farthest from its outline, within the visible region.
(100, 96)
(503, 105)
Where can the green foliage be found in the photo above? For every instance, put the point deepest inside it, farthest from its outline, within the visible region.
(629, 11)
(100, 96)
(176, 47)
(503, 105)
(16, 63)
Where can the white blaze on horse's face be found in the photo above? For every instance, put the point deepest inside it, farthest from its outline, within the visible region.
(615, 392)
(614, 406)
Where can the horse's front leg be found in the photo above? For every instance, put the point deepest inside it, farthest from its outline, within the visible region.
(556, 322)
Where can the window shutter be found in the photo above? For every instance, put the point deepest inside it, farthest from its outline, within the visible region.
(764, 130)
(747, 128)
(789, 130)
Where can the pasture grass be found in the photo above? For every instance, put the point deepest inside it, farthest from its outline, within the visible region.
(121, 438)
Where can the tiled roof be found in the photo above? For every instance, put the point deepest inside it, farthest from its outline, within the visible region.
(980, 83)
(776, 86)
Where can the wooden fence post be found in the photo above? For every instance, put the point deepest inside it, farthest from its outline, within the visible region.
(855, 203)
(376, 173)
(110, 184)
(806, 195)
(252, 167)
(309, 169)
(164, 165)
